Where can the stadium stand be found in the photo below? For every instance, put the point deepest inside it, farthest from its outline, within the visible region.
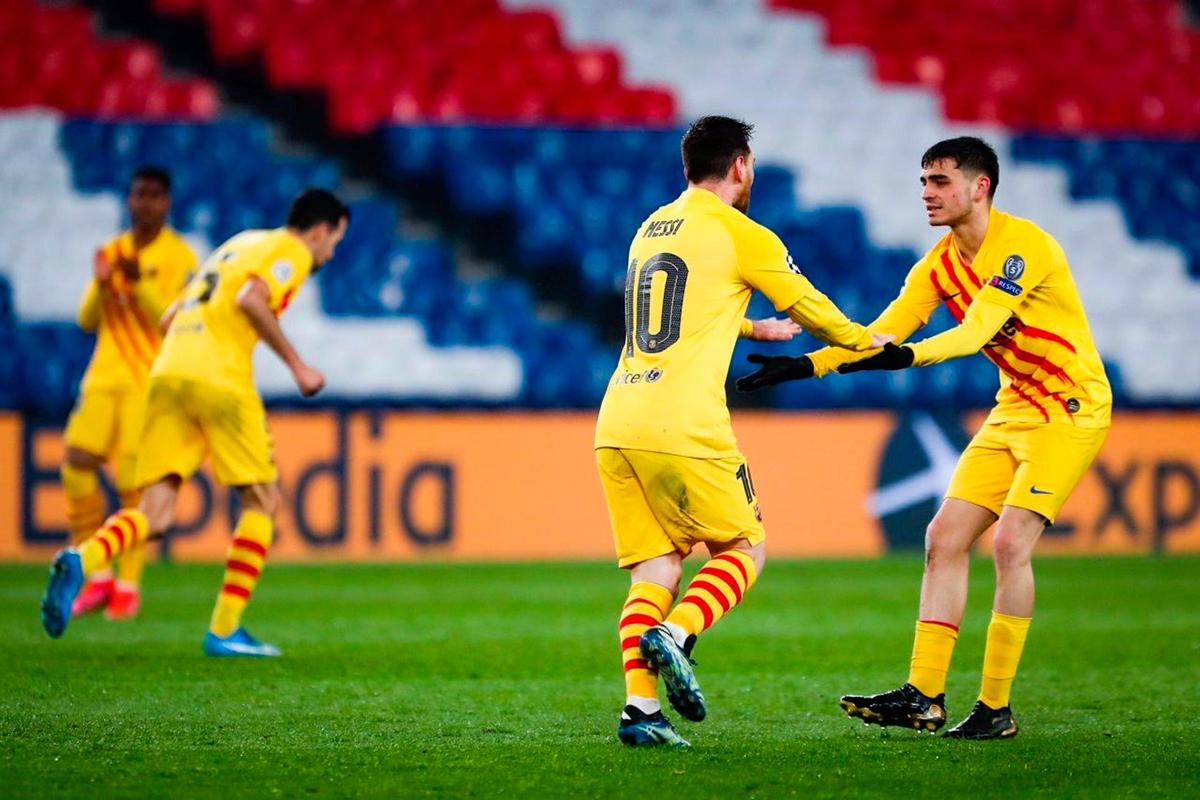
(51, 56)
(572, 143)
(449, 61)
(819, 110)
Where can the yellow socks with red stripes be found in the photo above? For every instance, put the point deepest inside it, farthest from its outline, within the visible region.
(717, 588)
(247, 554)
(1005, 640)
(133, 560)
(932, 648)
(125, 529)
(645, 607)
(85, 502)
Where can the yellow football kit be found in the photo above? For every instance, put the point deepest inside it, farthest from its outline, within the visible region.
(669, 464)
(202, 398)
(1017, 304)
(124, 314)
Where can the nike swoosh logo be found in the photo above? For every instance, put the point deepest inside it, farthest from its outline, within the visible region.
(949, 296)
(1035, 490)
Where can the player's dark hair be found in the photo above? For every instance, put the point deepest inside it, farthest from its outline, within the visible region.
(970, 154)
(314, 206)
(149, 172)
(712, 144)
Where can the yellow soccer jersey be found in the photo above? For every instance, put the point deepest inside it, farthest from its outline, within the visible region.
(1049, 367)
(692, 267)
(124, 314)
(211, 339)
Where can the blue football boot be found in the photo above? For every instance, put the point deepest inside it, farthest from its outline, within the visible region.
(66, 579)
(674, 665)
(238, 643)
(639, 729)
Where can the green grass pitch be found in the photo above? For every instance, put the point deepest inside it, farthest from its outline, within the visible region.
(482, 680)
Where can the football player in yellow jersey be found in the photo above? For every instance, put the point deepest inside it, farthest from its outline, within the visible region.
(669, 464)
(136, 276)
(1009, 285)
(202, 401)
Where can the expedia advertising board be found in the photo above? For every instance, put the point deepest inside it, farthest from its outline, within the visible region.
(365, 485)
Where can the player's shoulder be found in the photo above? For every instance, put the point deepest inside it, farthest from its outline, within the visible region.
(746, 231)
(1019, 231)
(178, 245)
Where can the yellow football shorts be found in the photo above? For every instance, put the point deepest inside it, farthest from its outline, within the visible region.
(1025, 464)
(661, 503)
(109, 424)
(188, 419)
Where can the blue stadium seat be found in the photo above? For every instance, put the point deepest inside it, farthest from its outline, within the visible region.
(1155, 181)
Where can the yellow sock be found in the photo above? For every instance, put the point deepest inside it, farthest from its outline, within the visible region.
(247, 554)
(932, 647)
(133, 560)
(644, 608)
(1005, 640)
(124, 529)
(85, 502)
(717, 588)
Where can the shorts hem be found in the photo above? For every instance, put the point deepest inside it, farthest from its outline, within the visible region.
(1041, 512)
(996, 509)
(633, 560)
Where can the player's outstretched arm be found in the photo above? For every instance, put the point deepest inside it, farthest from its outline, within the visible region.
(818, 315)
(981, 323)
(254, 299)
(770, 329)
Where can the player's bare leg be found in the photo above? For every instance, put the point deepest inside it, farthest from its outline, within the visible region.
(948, 541)
(921, 702)
(1012, 549)
(85, 513)
(243, 566)
(126, 528)
(653, 585)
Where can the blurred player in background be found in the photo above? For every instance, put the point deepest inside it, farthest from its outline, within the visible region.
(669, 465)
(1009, 285)
(202, 400)
(136, 276)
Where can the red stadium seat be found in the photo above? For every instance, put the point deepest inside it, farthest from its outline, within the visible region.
(381, 61)
(992, 58)
(51, 56)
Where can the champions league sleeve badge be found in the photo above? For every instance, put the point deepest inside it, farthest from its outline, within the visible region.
(1014, 267)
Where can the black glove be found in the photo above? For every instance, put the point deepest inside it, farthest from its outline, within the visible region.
(891, 357)
(774, 369)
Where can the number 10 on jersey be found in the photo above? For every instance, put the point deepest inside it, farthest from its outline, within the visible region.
(638, 284)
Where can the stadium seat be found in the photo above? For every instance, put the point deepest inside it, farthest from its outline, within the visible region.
(52, 57)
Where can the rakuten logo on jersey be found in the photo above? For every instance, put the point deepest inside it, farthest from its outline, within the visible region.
(651, 375)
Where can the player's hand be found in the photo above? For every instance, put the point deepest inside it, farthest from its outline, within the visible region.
(101, 267)
(773, 370)
(880, 339)
(309, 379)
(891, 357)
(774, 330)
(129, 265)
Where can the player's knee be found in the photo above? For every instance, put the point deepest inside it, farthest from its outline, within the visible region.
(264, 498)
(666, 572)
(1010, 550)
(941, 541)
(158, 504)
